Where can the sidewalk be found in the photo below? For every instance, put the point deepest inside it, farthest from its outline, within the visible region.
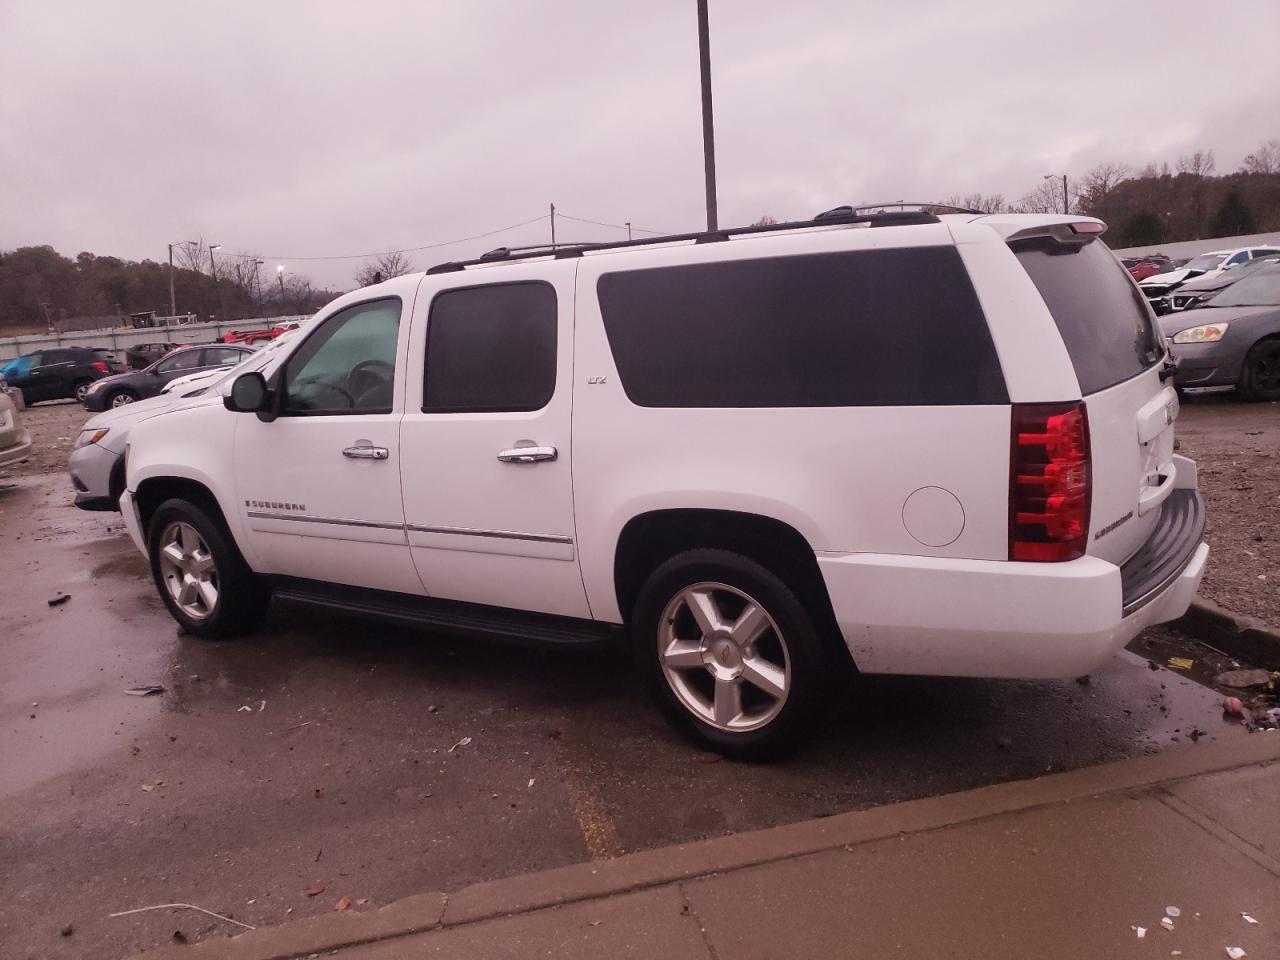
(1063, 866)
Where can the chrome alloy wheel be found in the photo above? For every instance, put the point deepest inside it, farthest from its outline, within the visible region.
(724, 657)
(190, 575)
(120, 399)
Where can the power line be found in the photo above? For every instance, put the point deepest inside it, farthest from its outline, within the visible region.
(377, 253)
(616, 226)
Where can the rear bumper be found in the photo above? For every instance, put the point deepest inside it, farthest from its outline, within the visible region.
(985, 618)
(16, 452)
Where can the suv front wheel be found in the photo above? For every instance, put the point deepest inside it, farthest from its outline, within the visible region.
(202, 578)
(732, 656)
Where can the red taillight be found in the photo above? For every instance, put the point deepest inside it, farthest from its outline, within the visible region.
(100, 366)
(1049, 481)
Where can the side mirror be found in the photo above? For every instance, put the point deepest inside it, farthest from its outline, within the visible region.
(248, 393)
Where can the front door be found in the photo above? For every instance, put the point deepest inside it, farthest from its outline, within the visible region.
(485, 440)
(319, 486)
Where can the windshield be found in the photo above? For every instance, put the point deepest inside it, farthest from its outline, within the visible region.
(1206, 261)
(1260, 289)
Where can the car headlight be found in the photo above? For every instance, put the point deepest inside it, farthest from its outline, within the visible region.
(89, 437)
(95, 386)
(1205, 333)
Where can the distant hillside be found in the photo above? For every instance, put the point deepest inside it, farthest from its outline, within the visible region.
(39, 285)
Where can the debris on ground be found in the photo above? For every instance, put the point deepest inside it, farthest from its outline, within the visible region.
(183, 906)
(245, 709)
(316, 889)
(1239, 679)
(1233, 707)
(69, 929)
(707, 756)
(362, 902)
(1140, 931)
(1172, 912)
(1236, 953)
(180, 937)
(465, 741)
(59, 600)
(147, 690)
(1181, 663)
(1166, 922)
(342, 904)
(1247, 919)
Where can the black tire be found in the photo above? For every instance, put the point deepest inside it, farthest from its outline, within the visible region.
(117, 398)
(808, 663)
(242, 596)
(1260, 376)
(79, 388)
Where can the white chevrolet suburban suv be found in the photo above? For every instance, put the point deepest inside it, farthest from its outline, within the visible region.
(909, 443)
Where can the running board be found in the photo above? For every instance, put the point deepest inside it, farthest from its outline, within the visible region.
(450, 616)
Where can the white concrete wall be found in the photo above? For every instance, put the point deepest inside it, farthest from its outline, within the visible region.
(1193, 248)
(121, 338)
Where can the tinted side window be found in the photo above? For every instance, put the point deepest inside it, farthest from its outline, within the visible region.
(491, 348)
(348, 365)
(222, 356)
(54, 356)
(186, 360)
(869, 328)
(1103, 320)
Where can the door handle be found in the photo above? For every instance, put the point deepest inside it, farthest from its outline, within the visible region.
(528, 454)
(364, 450)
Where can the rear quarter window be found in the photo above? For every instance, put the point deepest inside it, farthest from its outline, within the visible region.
(899, 327)
(1103, 320)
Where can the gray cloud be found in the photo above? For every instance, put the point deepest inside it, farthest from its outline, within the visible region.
(303, 129)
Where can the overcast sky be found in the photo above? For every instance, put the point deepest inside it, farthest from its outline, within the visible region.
(296, 130)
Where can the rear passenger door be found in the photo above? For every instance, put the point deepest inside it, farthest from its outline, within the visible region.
(44, 377)
(485, 441)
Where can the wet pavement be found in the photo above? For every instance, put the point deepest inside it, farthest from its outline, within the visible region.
(330, 752)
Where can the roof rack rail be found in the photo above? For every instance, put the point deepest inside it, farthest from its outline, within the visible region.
(900, 204)
(832, 217)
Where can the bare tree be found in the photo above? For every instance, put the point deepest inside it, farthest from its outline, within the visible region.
(1046, 198)
(987, 203)
(194, 255)
(765, 221)
(1266, 159)
(1093, 194)
(383, 267)
(1198, 164)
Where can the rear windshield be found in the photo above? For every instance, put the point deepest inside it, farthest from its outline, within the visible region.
(898, 327)
(1104, 323)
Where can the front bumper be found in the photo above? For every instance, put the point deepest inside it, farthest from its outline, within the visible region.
(132, 522)
(91, 467)
(988, 618)
(1214, 364)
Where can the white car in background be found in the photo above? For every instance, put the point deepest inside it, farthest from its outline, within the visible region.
(97, 462)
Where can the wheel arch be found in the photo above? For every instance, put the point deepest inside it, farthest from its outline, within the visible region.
(153, 491)
(648, 539)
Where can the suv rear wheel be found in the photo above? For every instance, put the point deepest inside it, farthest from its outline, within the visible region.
(732, 656)
(202, 578)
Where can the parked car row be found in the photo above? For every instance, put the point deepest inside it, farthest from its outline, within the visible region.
(59, 373)
(1142, 267)
(1159, 289)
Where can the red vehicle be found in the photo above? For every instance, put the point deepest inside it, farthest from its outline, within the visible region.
(1142, 267)
(250, 337)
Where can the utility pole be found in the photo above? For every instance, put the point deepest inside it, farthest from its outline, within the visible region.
(708, 125)
(173, 302)
(553, 226)
(628, 229)
(212, 266)
(280, 277)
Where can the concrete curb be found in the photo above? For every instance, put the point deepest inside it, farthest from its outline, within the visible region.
(651, 868)
(1245, 638)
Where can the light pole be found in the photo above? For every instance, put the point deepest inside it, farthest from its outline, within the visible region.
(280, 279)
(1066, 204)
(708, 125)
(212, 266)
(628, 229)
(173, 301)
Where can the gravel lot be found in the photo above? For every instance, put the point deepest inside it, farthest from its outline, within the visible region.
(1236, 444)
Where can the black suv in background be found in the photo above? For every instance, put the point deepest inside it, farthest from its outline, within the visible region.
(60, 373)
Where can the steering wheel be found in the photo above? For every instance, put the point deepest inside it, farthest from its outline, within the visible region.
(376, 373)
